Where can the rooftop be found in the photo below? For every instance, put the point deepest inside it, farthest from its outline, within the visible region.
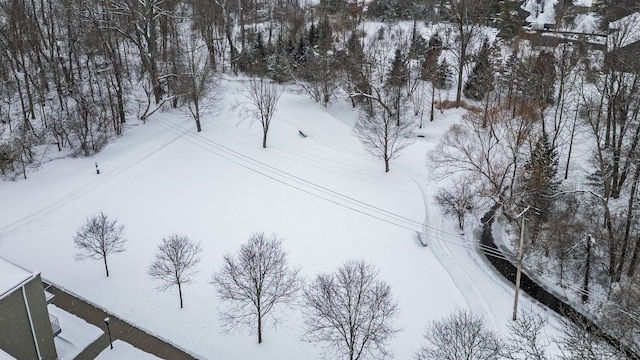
(5, 356)
(11, 276)
(627, 31)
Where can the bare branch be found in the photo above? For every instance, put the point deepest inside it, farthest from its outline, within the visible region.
(255, 281)
(174, 263)
(98, 238)
(351, 311)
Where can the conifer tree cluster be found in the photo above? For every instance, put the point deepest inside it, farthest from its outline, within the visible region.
(480, 80)
(540, 179)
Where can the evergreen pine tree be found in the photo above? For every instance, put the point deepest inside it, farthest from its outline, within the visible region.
(300, 54)
(259, 61)
(539, 180)
(399, 74)
(324, 35)
(280, 60)
(312, 35)
(430, 63)
(253, 58)
(419, 45)
(481, 78)
(511, 18)
(355, 60)
(544, 77)
(443, 76)
(396, 80)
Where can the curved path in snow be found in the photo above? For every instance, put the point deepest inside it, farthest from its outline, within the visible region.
(468, 288)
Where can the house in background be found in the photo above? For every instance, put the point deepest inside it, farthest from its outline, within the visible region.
(623, 43)
(26, 328)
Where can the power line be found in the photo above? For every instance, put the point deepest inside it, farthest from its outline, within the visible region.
(395, 219)
(337, 198)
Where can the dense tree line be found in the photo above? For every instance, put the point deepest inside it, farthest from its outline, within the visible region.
(515, 149)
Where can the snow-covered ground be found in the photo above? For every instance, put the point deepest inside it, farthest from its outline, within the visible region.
(76, 333)
(122, 350)
(540, 12)
(323, 194)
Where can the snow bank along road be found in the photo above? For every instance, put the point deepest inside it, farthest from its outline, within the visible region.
(508, 270)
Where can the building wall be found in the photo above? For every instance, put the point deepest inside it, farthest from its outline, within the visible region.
(16, 337)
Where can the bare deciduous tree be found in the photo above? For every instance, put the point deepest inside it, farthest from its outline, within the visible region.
(255, 281)
(380, 132)
(490, 155)
(174, 263)
(466, 17)
(198, 86)
(526, 339)
(99, 237)
(262, 100)
(461, 335)
(580, 341)
(457, 200)
(351, 311)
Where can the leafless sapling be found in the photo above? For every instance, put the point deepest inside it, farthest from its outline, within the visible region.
(457, 200)
(254, 281)
(526, 337)
(461, 335)
(262, 98)
(199, 87)
(98, 238)
(351, 311)
(380, 132)
(175, 262)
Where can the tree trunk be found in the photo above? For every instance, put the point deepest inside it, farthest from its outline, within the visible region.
(259, 328)
(459, 86)
(120, 96)
(264, 139)
(196, 108)
(155, 81)
(106, 267)
(627, 235)
(180, 293)
(433, 98)
(613, 246)
(573, 131)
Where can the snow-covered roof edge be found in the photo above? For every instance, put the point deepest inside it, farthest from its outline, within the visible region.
(627, 30)
(12, 276)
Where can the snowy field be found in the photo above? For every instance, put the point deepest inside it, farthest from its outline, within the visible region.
(327, 198)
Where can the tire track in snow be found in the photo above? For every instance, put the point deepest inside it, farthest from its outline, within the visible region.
(92, 185)
(468, 289)
(472, 295)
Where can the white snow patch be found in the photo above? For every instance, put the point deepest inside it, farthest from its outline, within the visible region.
(76, 333)
(583, 3)
(323, 194)
(122, 350)
(624, 31)
(587, 23)
(540, 12)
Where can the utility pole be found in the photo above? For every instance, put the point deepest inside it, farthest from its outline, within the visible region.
(519, 268)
